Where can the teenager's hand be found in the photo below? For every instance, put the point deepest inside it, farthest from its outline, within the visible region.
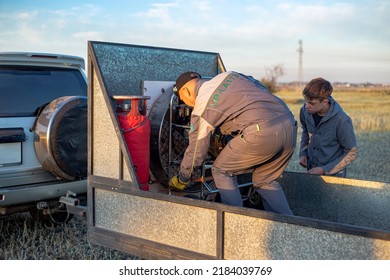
(316, 171)
(303, 161)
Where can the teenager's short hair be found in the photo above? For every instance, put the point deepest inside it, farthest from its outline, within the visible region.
(318, 88)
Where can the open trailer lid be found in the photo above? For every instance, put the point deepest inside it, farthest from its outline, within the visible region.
(124, 67)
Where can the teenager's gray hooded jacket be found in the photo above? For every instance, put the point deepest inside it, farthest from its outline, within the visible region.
(332, 144)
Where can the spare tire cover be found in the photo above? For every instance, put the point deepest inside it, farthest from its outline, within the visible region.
(61, 137)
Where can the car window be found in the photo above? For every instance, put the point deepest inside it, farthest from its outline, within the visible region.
(23, 89)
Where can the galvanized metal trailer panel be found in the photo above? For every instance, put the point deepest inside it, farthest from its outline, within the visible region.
(341, 200)
(335, 218)
(153, 225)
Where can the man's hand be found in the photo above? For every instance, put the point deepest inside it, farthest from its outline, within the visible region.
(303, 161)
(176, 184)
(316, 171)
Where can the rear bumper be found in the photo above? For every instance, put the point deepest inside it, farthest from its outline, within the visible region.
(39, 192)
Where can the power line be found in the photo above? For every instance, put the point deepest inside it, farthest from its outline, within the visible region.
(300, 68)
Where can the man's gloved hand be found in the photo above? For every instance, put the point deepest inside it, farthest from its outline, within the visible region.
(177, 184)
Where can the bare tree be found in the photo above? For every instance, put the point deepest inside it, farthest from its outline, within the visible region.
(271, 76)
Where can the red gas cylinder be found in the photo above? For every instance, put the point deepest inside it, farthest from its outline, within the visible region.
(136, 130)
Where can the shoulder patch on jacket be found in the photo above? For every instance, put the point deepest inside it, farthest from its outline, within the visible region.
(222, 88)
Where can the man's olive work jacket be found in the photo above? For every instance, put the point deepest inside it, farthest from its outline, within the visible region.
(332, 144)
(230, 101)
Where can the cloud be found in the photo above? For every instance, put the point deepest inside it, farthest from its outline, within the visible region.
(88, 35)
(247, 34)
(26, 15)
(159, 14)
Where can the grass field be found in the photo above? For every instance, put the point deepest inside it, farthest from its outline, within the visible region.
(23, 238)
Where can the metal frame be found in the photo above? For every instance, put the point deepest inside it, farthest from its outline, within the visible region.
(326, 232)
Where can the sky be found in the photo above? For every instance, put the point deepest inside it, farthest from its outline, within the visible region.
(342, 41)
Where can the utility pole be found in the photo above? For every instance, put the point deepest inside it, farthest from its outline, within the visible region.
(300, 69)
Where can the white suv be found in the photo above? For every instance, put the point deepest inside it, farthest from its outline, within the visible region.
(43, 132)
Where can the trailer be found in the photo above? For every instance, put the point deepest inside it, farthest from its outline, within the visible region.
(335, 218)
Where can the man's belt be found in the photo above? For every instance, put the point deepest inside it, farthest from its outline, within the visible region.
(254, 127)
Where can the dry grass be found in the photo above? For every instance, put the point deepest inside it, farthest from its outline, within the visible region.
(22, 238)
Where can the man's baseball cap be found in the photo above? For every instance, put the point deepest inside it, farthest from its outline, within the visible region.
(183, 79)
